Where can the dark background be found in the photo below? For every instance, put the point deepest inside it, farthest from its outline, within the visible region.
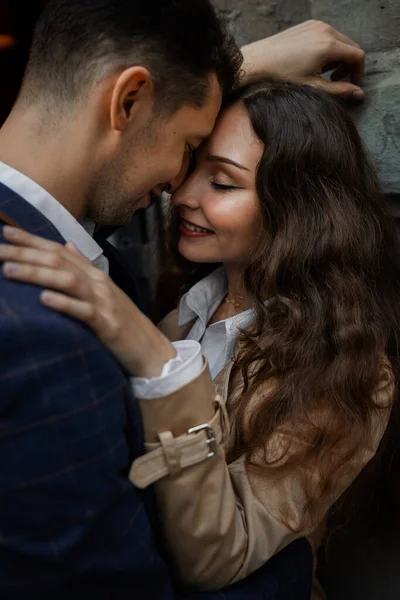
(17, 19)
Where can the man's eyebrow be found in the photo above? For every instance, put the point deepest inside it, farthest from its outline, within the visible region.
(224, 159)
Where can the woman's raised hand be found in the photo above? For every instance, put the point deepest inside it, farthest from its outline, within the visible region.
(302, 53)
(83, 292)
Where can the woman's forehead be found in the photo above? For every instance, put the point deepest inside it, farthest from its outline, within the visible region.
(234, 138)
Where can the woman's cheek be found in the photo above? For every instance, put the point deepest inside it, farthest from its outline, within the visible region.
(229, 215)
(245, 226)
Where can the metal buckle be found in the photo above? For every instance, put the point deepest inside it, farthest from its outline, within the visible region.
(211, 440)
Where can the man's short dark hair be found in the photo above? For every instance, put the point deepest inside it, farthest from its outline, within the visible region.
(79, 42)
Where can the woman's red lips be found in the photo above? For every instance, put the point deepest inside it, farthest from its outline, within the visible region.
(191, 230)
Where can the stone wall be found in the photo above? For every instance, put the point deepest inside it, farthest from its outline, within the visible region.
(375, 25)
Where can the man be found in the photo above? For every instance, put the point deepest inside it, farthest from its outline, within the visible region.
(115, 93)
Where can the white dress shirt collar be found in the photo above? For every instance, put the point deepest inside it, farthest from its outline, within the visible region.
(219, 340)
(203, 299)
(70, 229)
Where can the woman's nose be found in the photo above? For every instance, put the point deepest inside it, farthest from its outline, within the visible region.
(186, 194)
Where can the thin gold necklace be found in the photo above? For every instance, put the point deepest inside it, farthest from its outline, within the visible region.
(234, 302)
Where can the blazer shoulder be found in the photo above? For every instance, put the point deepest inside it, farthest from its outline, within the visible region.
(29, 330)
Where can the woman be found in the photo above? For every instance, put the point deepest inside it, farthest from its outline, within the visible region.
(299, 326)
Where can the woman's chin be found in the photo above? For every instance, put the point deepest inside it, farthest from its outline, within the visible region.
(195, 254)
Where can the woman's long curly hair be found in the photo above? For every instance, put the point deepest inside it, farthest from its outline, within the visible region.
(328, 257)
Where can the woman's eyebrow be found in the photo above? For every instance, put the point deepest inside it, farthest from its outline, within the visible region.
(224, 159)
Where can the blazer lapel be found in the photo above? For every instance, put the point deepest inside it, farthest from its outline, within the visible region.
(7, 220)
(18, 212)
(122, 275)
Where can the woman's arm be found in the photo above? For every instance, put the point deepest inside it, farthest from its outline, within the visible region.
(302, 53)
(222, 522)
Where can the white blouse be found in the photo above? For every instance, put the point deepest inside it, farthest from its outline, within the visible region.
(219, 340)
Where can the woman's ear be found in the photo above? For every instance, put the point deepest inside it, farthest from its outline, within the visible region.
(133, 88)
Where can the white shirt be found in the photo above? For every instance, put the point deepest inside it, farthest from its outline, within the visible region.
(176, 372)
(219, 340)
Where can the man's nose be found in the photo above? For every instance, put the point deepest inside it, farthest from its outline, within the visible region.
(177, 181)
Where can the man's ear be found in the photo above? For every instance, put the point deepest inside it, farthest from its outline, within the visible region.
(134, 85)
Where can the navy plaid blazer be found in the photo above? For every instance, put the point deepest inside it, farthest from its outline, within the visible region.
(71, 524)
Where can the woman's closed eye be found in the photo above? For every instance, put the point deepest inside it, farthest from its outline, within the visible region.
(222, 187)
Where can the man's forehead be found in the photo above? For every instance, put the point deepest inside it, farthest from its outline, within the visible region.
(215, 95)
(197, 123)
(210, 110)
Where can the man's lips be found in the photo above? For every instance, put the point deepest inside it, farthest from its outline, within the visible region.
(192, 230)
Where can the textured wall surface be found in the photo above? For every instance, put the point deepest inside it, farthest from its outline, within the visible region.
(360, 566)
(375, 25)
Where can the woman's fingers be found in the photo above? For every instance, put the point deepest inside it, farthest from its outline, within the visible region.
(19, 237)
(23, 238)
(31, 256)
(71, 246)
(77, 309)
(335, 88)
(69, 282)
(341, 37)
(47, 253)
(352, 55)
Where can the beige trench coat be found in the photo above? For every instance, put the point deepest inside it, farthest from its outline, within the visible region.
(222, 522)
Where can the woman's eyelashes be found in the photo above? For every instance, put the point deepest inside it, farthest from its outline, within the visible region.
(220, 187)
